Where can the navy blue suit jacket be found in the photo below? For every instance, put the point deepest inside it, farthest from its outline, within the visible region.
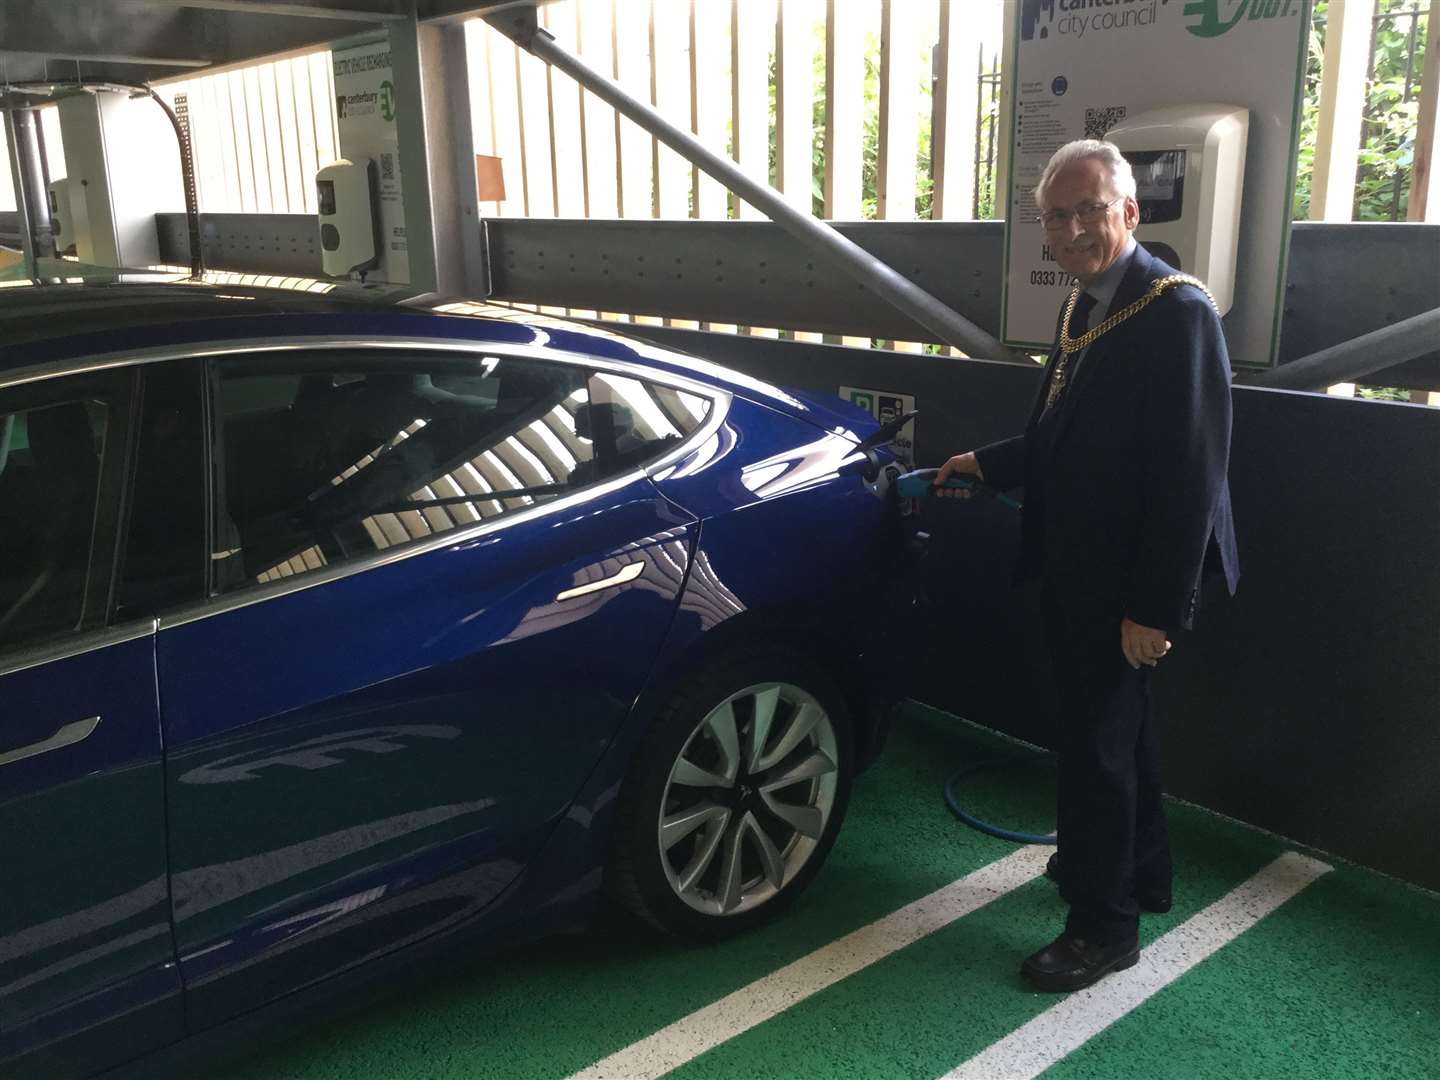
(1136, 503)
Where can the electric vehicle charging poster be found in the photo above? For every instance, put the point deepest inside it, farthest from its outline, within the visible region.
(365, 113)
(886, 405)
(1083, 66)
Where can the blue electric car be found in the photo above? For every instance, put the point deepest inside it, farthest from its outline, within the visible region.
(335, 626)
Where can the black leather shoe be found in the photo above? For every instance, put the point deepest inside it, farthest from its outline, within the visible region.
(1071, 963)
(1155, 905)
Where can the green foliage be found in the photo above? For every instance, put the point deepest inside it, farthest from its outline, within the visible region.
(817, 122)
(925, 171)
(1309, 117)
(985, 204)
(1385, 159)
(1383, 393)
(1387, 153)
(870, 178)
(870, 154)
(870, 148)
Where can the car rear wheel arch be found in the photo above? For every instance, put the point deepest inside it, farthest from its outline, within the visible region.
(678, 884)
(757, 631)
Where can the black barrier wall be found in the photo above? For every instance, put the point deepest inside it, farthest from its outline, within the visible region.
(1309, 704)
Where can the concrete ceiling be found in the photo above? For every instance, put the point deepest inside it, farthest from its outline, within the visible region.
(149, 40)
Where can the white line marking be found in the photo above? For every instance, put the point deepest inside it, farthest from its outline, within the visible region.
(1030, 1050)
(704, 1029)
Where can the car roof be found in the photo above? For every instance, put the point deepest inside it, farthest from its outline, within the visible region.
(56, 320)
(46, 309)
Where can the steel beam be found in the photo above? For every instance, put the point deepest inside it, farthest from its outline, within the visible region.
(44, 40)
(1350, 360)
(456, 10)
(103, 29)
(23, 56)
(30, 199)
(24, 134)
(520, 25)
(371, 11)
(413, 140)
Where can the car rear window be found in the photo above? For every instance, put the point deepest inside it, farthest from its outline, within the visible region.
(330, 458)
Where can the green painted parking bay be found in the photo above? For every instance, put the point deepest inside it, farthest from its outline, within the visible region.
(902, 960)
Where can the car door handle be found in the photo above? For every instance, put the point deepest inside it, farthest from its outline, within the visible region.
(68, 735)
(627, 573)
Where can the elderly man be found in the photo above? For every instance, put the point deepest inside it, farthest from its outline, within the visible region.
(1123, 463)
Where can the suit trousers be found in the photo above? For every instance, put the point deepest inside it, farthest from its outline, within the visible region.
(1111, 831)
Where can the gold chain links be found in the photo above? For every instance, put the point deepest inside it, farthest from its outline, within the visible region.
(1159, 285)
(1069, 345)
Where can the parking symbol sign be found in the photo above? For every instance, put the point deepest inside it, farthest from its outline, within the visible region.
(887, 405)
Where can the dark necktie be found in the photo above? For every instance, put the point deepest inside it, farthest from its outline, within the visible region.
(1079, 321)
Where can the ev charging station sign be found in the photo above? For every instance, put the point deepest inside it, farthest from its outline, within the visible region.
(1084, 65)
(886, 405)
(365, 112)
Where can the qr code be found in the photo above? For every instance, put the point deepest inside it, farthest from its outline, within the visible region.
(387, 164)
(1100, 121)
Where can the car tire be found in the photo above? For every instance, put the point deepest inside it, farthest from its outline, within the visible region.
(714, 835)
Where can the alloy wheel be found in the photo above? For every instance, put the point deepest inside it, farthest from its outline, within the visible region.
(748, 799)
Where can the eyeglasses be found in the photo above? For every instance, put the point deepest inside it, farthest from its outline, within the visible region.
(1085, 213)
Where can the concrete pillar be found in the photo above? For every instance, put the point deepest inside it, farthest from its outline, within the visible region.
(460, 264)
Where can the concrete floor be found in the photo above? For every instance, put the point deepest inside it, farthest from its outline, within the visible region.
(1340, 979)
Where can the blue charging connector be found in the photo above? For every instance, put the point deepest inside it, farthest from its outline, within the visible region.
(920, 484)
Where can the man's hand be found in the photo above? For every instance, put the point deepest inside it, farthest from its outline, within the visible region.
(963, 464)
(1142, 644)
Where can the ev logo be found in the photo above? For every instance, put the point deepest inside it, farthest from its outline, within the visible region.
(1215, 17)
(1059, 85)
(387, 100)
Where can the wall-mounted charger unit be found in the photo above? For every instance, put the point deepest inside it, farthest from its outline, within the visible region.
(348, 194)
(65, 223)
(1189, 165)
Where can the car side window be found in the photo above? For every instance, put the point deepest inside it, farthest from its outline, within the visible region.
(328, 458)
(62, 450)
(635, 422)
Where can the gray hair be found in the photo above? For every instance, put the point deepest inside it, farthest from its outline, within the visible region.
(1121, 178)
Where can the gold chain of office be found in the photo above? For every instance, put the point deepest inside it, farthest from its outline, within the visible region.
(1158, 286)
